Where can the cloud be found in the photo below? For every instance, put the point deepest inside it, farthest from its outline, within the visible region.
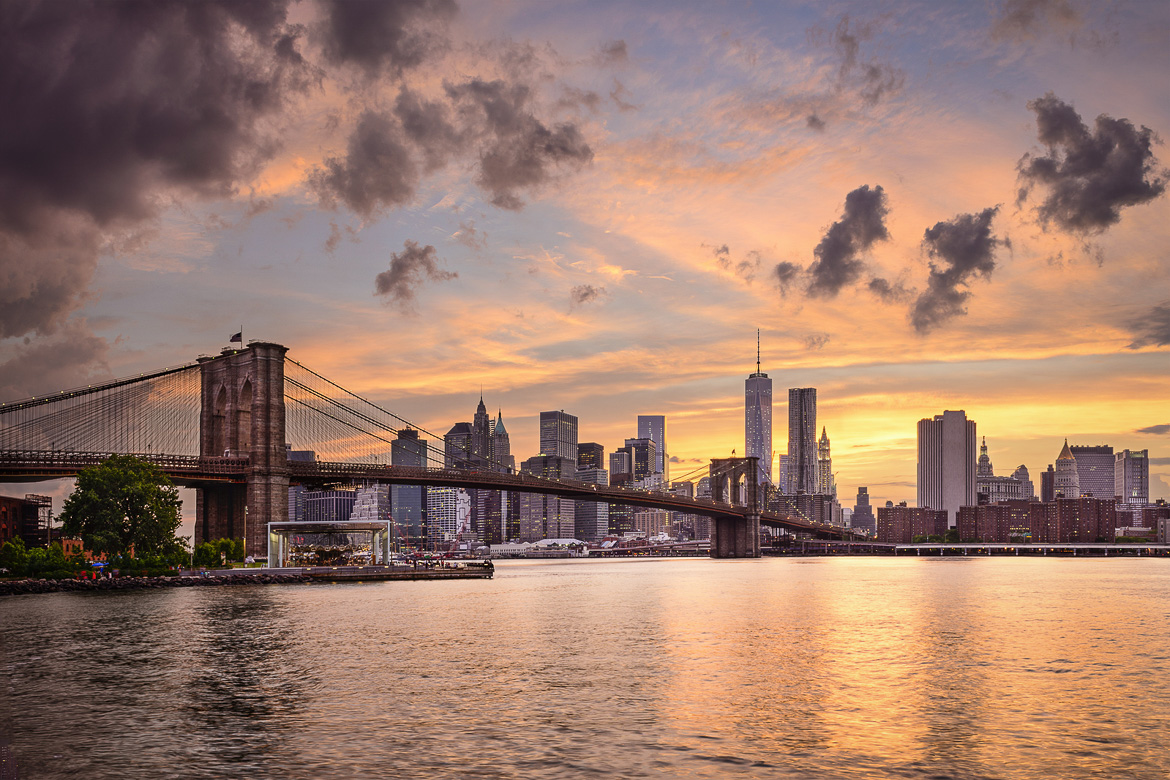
(786, 275)
(1089, 175)
(872, 80)
(582, 294)
(1155, 430)
(1025, 19)
(814, 122)
(470, 237)
(109, 106)
(66, 359)
(816, 341)
(377, 171)
(619, 95)
(428, 126)
(613, 53)
(966, 249)
(1151, 329)
(889, 292)
(408, 269)
(380, 37)
(838, 263)
(745, 269)
(517, 151)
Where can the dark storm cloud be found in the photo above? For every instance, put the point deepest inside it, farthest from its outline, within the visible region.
(1155, 430)
(965, 248)
(838, 262)
(429, 127)
(1090, 175)
(377, 171)
(1151, 329)
(408, 270)
(1025, 19)
(517, 151)
(388, 35)
(67, 359)
(106, 107)
(786, 275)
(889, 292)
(582, 294)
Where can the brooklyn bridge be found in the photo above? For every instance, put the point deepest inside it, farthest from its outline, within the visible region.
(224, 425)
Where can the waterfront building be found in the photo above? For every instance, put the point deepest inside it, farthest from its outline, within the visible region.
(802, 440)
(296, 503)
(863, 519)
(1094, 470)
(1131, 476)
(591, 518)
(826, 483)
(543, 516)
(902, 524)
(590, 456)
(1048, 485)
(1066, 483)
(408, 503)
(757, 419)
(558, 435)
(448, 516)
(946, 463)
(653, 427)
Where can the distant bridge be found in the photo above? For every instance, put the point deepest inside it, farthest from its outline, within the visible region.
(220, 425)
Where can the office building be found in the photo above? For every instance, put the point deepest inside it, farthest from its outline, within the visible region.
(1027, 490)
(590, 456)
(802, 440)
(558, 436)
(591, 518)
(1066, 483)
(863, 519)
(653, 427)
(1131, 476)
(991, 489)
(457, 445)
(543, 516)
(826, 482)
(643, 456)
(1048, 485)
(757, 419)
(946, 463)
(408, 503)
(1094, 470)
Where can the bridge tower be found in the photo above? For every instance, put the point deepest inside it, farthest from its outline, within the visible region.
(735, 481)
(242, 414)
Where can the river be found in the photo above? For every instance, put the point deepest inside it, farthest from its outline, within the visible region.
(817, 667)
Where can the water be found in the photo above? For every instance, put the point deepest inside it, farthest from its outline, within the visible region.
(834, 667)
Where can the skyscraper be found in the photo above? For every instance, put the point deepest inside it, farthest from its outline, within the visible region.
(643, 456)
(802, 440)
(408, 503)
(1067, 483)
(590, 455)
(863, 519)
(653, 427)
(946, 463)
(1094, 470)
(558, 435)
(757, 419)
(1131, 476)
(457, 446)
(826, 484)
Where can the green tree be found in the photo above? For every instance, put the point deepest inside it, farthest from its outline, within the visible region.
(14, 556)
(121, 502)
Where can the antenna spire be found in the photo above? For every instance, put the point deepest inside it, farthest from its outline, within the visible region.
(757, 350)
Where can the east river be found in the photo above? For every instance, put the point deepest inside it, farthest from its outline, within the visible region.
(818, 668)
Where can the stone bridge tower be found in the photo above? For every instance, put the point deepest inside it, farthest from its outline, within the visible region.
(735, 481)
(243, 416)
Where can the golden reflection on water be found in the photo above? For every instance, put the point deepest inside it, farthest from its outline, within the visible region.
(830, 667)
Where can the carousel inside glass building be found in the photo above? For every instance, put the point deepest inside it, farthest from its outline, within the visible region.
(328, 544)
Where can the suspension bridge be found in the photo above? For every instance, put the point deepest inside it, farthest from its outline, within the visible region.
(224, 425)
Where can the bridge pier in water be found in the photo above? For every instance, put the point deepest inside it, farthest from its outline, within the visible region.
(734, 481)
(242, 414)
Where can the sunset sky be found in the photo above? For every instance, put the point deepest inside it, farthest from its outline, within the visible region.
(593, 207)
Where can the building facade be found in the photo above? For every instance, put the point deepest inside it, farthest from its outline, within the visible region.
(1131, 476)
(802, 440)
(826, 482)
(757, 421)
(1066, 483)
(1094, 470)
(653, 427)
(558, 436)
(946, 463)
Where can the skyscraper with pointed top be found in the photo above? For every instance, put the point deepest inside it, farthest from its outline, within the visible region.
(1067, 483)
(757, 422)
(827, 485)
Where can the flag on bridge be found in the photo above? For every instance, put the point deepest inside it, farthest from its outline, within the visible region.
(237, 337)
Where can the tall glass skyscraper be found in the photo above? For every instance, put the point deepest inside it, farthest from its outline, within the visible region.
(802, 440)
(558, 435)
(757, 420)
(653, 427)
(946, 463)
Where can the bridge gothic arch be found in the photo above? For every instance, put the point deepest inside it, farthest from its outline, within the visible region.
(733, 482)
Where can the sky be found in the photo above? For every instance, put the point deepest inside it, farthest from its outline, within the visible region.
(593, 206)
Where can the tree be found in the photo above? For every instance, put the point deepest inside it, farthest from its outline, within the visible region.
(124, 502)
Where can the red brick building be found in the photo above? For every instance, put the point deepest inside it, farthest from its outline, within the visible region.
(901, 524)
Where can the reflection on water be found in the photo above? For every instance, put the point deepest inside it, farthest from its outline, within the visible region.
(837, 667)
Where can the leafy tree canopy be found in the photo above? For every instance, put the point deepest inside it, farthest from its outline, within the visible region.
(122, 502)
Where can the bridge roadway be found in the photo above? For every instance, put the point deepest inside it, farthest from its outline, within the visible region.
(194, 471)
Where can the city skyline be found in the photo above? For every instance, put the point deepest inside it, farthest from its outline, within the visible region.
(802, 171)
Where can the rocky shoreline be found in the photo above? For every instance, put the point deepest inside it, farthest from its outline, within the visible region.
(20, 587)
